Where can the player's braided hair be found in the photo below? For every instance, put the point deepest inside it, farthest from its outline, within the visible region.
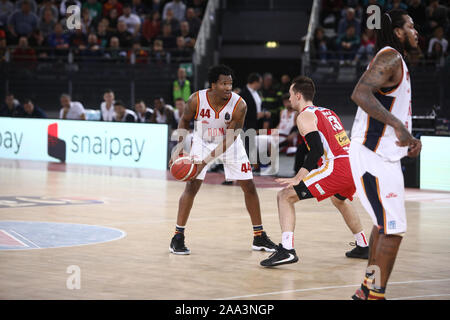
(386, 36)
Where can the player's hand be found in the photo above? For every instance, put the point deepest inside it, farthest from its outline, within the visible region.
(290, 182)
(200, 167)
(404, 137)
(414, 148)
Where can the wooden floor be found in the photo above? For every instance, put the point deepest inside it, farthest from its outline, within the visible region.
(222, 266)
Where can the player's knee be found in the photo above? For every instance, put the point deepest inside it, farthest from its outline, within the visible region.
(285, 195)
(337, 202)
(192, 188)
(248, 186)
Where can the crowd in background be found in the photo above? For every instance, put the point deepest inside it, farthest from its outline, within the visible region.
(343, 34)
(137, 31)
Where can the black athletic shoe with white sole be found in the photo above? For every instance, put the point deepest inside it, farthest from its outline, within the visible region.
(358, 252)
(177, 245)
(279, 257)
(263, 243)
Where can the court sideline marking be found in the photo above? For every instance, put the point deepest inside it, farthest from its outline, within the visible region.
(325, 288)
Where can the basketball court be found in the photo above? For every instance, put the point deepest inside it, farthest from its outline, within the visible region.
(114, 225)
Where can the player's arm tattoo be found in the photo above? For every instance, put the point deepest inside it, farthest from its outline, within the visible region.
(383, 68)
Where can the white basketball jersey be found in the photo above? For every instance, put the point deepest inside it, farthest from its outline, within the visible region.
(210, 126)
(377, 136)
(287, 122)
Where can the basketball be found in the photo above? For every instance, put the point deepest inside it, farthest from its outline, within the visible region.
(183, 169)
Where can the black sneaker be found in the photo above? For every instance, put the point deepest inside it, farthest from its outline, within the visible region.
(279, 257)
(177, 245)
(358, 252)
(263, 243)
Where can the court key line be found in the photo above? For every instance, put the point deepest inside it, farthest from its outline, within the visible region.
(325, 288)
(428, 295)
(28, 240)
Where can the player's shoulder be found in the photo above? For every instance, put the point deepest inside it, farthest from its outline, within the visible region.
(387, 56)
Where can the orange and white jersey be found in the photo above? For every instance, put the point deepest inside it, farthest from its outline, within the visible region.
(287, 122)
(375, 135)
(210, 126)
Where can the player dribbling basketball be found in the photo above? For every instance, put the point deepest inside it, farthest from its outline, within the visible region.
(218, 112)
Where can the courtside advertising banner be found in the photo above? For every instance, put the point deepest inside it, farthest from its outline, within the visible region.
(136, 145)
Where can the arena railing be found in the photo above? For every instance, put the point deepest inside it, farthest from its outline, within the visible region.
(313, 22)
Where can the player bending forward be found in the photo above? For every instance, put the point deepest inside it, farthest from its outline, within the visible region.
(328, 152)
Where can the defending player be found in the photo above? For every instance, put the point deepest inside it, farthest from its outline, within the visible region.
(381, 136)
(328, 144)
(218, 113)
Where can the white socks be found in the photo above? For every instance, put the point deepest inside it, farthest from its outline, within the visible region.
(287, 240)
(361, 239)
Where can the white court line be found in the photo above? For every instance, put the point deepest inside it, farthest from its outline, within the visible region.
(428, 295)
(324, 288)
(10, 235)
(26, 239)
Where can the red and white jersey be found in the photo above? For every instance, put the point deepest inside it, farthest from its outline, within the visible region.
(332, 134)
(210, 126)
(287, 122)
(375, 135)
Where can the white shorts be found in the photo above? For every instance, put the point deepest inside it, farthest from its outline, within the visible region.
(380, 188)
(235, 160)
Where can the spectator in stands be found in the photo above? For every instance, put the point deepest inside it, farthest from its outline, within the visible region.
(193, 20)
(349, 20)
(11, 107)
(416, 10)
(33, 5)
(436, 15)
(3, 46)
(95, 9)
(152, 26)
(23, 52)
(23, 21)
(31, 111)
(103, 35)
(270, 101)
(331, 12)
(37, 41)
(438, 38)
(58, 40)
(168, 38)
(48, 4)
(170, 19)
(93, 49)
(347, 45)
(86, 21)
(396, 4)
(157, 6)
(179, 109)
(143, 113)
(181, 87)
(66, 4)
(107, 106)
(47, 22)
(198, 5)
(161, 112)
(78, 40)
(71, 110)
(122, 114)
(132, 21)
(113, 19)
(138, 55)
(285, 84)
(367, 48)
(321, 45)
(6, 7)
(139, 8)
(181, 53)
(125, 37)
(112, 4)
(115, 52)
(178, 8)
(188, 36)
(158, 53)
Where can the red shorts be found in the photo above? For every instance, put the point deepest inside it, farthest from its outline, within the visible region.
(333, 177)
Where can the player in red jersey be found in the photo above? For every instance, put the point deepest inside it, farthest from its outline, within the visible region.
(325, 173)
